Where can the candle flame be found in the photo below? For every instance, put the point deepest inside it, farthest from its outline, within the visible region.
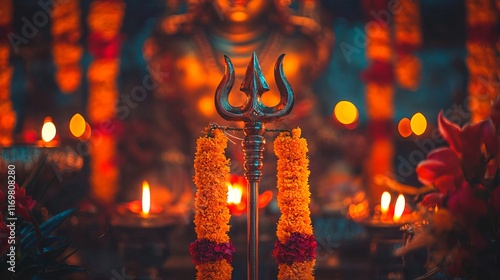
(146, 199)
(399, 208)
(234, 194)
(385, 200)
(48, 130)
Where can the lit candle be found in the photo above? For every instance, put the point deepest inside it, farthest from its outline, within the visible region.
(399, 208)
(144, 207)
(385, 200)
(146, 199)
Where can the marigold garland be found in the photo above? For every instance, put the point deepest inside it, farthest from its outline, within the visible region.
(8, 116)
(104, 21)
(408, 37)
(212, 250)
(65, 49)
(379, 91)
(481, 60)
(295, 250)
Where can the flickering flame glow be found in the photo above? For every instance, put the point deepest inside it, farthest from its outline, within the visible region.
(418, 124)
(345, 112)
(48, 130)
(399, 208)
(234, 194)
(77, 125)
(146, 199)
(385, 200)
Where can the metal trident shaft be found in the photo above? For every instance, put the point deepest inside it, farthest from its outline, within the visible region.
(254, 113)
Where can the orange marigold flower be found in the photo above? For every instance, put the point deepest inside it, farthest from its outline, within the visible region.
(219, 270)
(297, 271)
(211, 172)
(293, 197)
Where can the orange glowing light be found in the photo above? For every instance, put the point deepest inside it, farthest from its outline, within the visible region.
(77, 125)
(418, 123)
(399, 208)
(48, 130)
(206, 106)
(239, 16)
(345, 112)
(385, 200)
(234, 193)
(146, 199)
(404, 127)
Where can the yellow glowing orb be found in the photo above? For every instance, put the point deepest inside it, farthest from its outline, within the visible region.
(404, 127)
(345, 112)
(48, 130)
(418, 124)
(77, 125)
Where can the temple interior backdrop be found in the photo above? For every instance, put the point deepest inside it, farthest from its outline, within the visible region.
(369, 77)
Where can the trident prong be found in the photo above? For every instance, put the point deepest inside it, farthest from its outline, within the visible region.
(254, 85)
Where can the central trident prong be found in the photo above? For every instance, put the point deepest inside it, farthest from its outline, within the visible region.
(254, 85)
(254, 113)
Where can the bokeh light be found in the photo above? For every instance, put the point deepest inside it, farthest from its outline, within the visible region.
(48, 130)
(404, 127)
(345, 112)
(77, 125)
(418, 123)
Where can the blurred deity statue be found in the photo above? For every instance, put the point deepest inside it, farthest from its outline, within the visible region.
(190, 42)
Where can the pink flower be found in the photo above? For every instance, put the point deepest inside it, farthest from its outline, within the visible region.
(299, 248)
(204, 251)
(447, 168)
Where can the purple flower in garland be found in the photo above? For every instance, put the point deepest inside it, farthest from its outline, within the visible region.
(204, 251)
(299, 248)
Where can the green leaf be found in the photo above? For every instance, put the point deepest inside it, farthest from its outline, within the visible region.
(30, 240)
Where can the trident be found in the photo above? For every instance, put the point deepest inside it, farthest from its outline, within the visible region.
(254, 114)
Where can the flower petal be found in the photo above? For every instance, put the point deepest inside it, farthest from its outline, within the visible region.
(450, 132)
(429, 170)
(432, 199)
(471, 144)
(447, 156)
(489, 137)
